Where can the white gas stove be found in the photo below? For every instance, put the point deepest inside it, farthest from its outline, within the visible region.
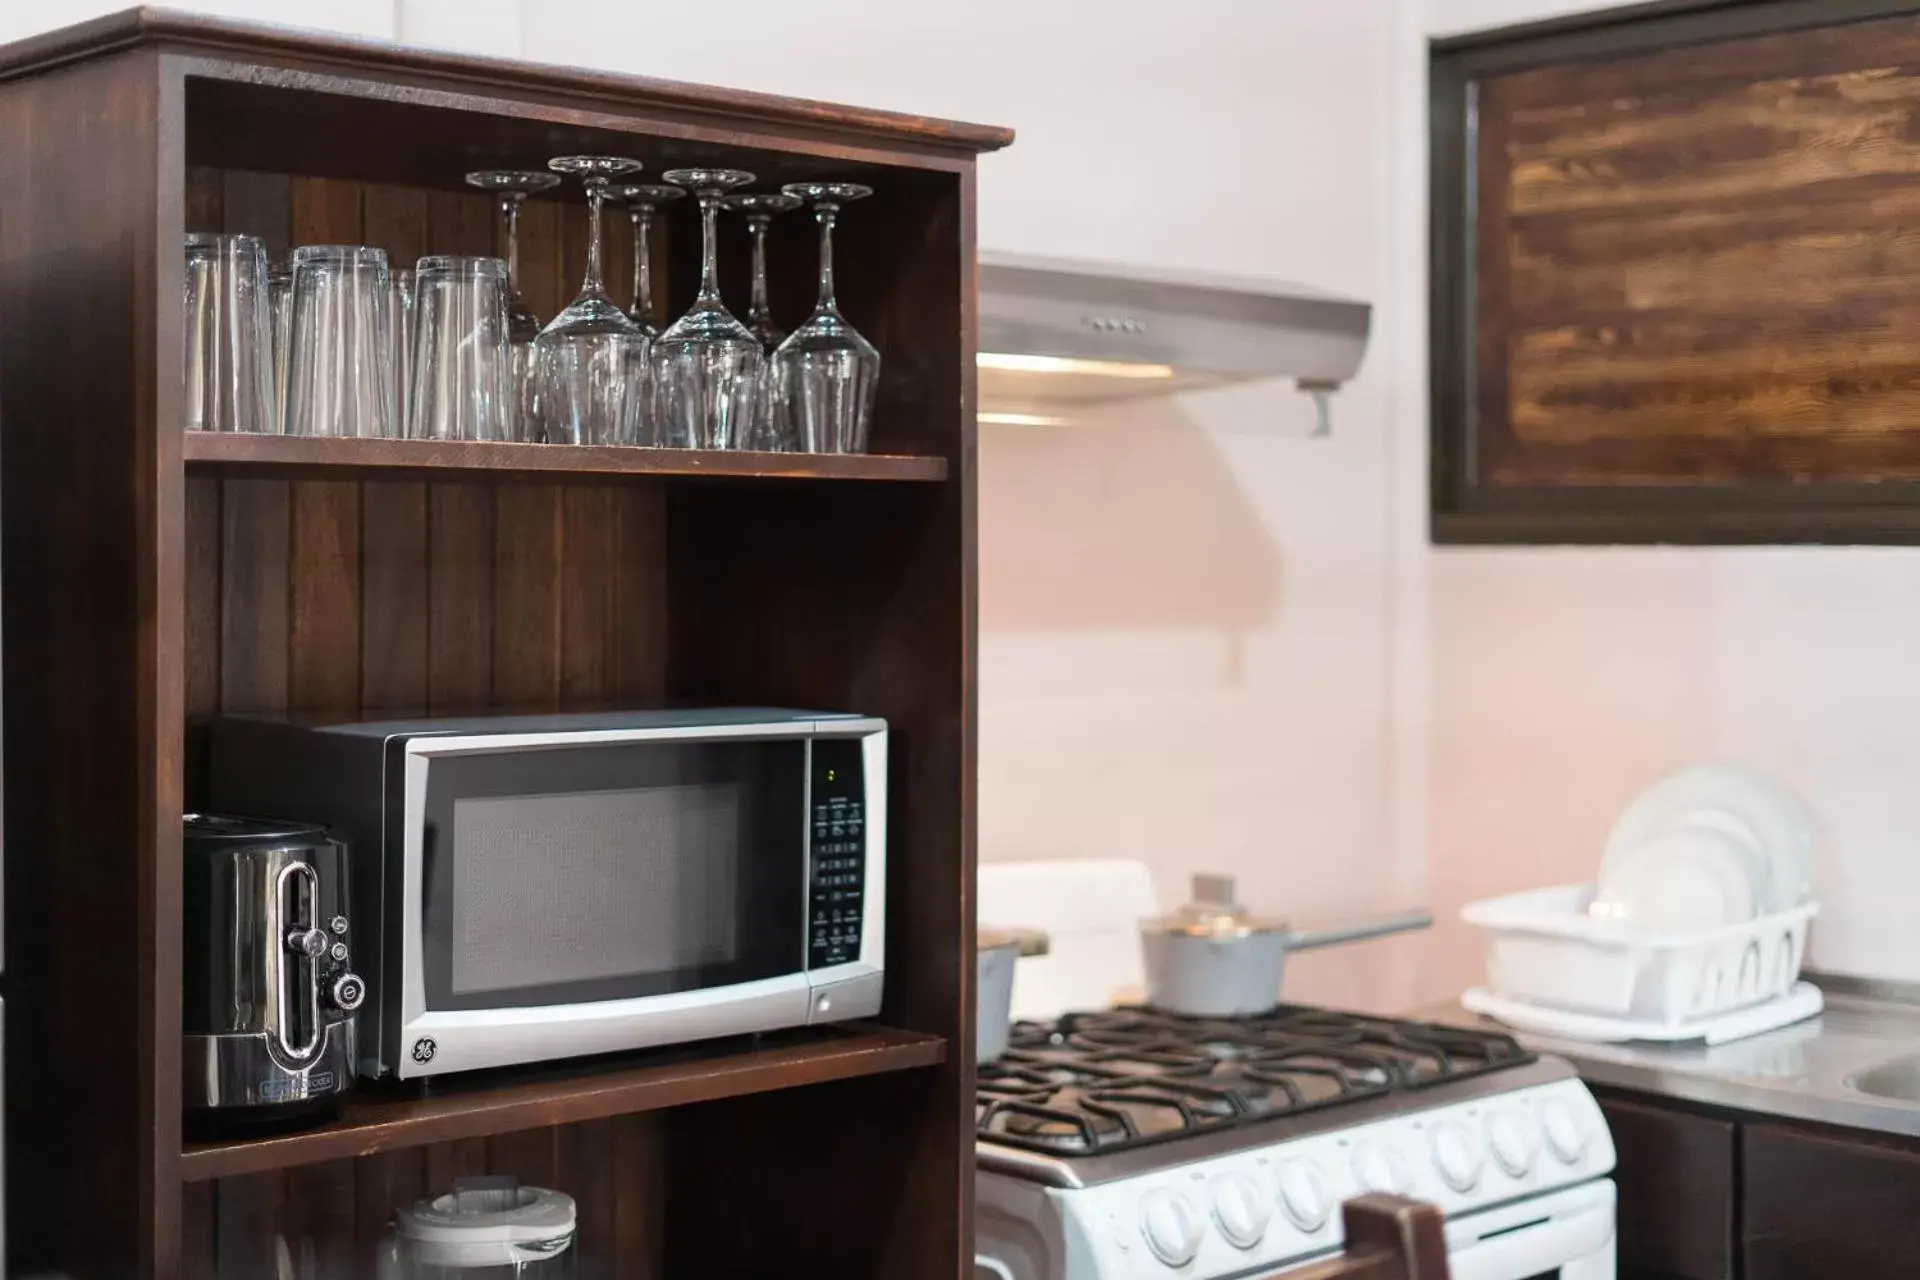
(1127, 1143)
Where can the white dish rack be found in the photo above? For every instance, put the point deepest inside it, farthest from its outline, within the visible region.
(1543, 948)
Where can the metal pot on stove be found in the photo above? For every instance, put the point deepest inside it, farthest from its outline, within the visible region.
(488, 1228)
(999, 951)
(1214, 959)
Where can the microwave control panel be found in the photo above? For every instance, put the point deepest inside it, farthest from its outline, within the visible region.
(838, 853)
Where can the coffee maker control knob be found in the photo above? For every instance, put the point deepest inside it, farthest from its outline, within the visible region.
(348, 992)
(308, 942)
(338, 924)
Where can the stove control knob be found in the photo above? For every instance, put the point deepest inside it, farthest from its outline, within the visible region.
(1458, 1156)
(1566, 1135)
(1514, 1139)
(1379, 1167)
(1304, 1194)
(1171, 1226)
(1240, 1209)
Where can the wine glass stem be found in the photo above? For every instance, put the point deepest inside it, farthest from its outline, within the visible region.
(825, 214)
(709, 247)
(510, 214)
(759, 311)
(595, 193)
(642, 266)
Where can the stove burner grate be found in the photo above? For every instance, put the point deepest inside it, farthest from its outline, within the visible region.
(1120, 1078)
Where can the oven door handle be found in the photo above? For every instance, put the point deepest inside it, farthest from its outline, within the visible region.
(1531, 1248)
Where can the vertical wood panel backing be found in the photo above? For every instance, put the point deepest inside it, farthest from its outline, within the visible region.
(640, 596)
(324, 591)
(255, 539)
(203, 596)
(249, 1223)
(261, 204)
(318, 1222)
(526, 594)
(460, 595)
(541, 280)
(383, 1183)
(394, 594)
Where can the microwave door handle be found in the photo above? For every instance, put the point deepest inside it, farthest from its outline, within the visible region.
(299, 961)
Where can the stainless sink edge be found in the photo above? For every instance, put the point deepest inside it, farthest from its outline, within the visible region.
(1803, 1072)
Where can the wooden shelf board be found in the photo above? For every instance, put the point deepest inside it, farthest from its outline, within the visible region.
(242, 452)
(369, 1122)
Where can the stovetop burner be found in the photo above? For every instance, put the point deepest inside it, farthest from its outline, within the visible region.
(1122, 1078)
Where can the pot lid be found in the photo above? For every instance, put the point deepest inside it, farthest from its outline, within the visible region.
(1213, 913)
(486, 1222)
(1032, 942)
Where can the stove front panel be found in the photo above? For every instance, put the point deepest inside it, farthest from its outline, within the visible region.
(1277, 1206)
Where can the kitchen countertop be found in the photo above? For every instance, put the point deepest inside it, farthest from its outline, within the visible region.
(1800, 1072)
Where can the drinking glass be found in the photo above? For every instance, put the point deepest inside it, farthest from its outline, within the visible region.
(512, 187)
(707, 366)
(761, 208)
(400, 307)
(641, 200)
(825, 373)
(280, 320)
(340, 376)
(590, 361)
(461, 362)
(228, 344)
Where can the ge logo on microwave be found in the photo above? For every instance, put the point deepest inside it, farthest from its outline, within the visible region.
(423, 1049)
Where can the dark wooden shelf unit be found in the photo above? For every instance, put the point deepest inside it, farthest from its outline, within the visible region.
(373, 1123)
(210, 453)
(151, 577)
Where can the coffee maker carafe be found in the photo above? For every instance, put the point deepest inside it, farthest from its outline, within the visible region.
(268, 994)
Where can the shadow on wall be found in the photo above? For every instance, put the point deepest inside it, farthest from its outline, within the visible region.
(1126, 519)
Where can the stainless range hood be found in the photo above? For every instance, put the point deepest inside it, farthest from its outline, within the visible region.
(1058, 334)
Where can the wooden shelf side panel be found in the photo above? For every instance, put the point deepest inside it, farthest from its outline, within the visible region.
(91, 627)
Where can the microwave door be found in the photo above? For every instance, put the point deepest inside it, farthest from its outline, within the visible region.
(605, 896)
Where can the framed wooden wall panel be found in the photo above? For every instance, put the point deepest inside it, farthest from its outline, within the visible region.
(1676, 277)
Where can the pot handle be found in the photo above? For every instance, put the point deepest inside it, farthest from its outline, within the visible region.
(1376, 927)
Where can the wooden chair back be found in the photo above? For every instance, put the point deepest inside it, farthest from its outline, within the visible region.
(1388, 1238)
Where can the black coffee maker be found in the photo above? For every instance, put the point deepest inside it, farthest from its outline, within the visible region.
(268, 992)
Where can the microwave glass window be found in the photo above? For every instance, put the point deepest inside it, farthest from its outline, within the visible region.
(609, 871)
(641, 881)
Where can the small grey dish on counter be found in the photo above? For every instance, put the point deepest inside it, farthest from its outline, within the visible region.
(1856, 1065)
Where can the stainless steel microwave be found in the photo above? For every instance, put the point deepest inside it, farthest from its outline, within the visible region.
(537, 887)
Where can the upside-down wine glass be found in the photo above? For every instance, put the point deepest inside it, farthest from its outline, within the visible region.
(707, 366)
(591, 360)
(825, 373)
(761, 208)
(642, 199)
(512, 187)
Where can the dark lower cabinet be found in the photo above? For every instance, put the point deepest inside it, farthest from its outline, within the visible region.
(1823, 1204)
(1715, 1195)
(1676, 1176)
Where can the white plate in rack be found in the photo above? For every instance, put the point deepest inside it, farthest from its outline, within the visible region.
(1798, 1004)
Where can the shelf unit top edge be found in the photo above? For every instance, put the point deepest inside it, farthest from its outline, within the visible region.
(146, 25)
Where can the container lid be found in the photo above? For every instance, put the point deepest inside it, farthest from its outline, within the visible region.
(487, 1222)
(1213, 913)
(1032, 942)
(227, 828)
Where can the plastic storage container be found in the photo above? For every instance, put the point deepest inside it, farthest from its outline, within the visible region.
(1543, 948)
